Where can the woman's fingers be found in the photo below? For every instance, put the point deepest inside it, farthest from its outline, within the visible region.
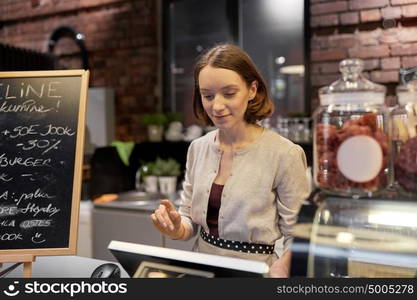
(173, 215)
(168, 205)
(166, 218)
(160, 214)
(159, 225)
(175, 218)
(155, 221)
(163, 217)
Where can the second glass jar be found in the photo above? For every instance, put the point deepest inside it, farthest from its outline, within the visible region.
(404, 139)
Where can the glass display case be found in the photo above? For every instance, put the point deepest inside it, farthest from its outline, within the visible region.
(345, 237)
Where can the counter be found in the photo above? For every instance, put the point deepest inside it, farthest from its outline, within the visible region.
(128, 219)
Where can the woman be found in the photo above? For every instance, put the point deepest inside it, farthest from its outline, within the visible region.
(244, 184)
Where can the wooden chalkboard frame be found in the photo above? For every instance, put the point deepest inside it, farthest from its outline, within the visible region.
(77, 176)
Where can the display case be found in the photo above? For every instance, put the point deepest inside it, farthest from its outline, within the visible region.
(345, 237)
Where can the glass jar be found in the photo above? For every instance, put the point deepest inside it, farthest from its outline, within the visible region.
(351, 153)
(404, 139)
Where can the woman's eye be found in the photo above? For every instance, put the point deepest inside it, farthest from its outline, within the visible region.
(229, 95)
(208, 97)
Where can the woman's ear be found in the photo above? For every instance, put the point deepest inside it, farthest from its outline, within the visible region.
(253, 89)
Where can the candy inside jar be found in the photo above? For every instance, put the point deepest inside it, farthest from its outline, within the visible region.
(405, 165)
(352, 158)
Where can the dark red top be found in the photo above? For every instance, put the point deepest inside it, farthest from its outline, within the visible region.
(213, 208)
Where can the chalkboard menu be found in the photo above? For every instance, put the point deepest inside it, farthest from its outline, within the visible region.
(42, 119)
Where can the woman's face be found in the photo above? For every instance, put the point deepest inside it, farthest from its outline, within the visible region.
(225, 96)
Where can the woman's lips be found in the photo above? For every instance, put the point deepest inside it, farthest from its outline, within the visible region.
(221, 117)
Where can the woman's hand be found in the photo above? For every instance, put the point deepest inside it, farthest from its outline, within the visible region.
(168, 221)
(281, 267)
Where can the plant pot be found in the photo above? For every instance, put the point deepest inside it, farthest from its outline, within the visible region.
(167, 184)
(155, 133)
(151, 184)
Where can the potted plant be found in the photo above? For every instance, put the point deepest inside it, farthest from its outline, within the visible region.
(155, 123)
(174, 130)
(173, 117)
(167, 171)
(147, 174)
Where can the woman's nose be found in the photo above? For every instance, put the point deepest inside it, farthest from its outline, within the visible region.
(218, 103)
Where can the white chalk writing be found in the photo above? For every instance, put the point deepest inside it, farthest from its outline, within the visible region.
(50, 129)
(35, 223)
(7, 223)
(40, 144)
(58, 130)
(8, 211)
(35, 157)
(27, 106)
(11, 236)
(4, 195)
(20, 131)
(5, 177)
(34, 209)
(33, 195)
(37, 238)
(27, 91)
(27, 162)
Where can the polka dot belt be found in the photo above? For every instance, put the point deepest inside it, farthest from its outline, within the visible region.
(235, 245)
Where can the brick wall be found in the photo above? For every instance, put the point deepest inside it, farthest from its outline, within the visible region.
(122, 40)
(381, 32)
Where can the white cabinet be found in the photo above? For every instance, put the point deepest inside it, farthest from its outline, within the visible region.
(84, 244)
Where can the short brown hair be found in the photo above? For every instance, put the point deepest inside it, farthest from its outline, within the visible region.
(233, 58)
